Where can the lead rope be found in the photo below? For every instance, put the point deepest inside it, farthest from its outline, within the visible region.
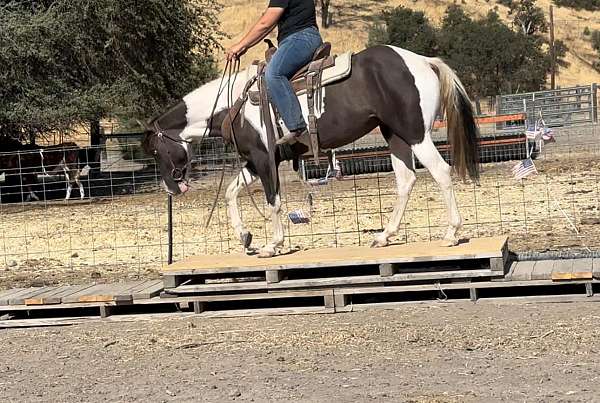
(231, 70)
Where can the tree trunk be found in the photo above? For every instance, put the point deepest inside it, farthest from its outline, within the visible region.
(325, 13)
(93, 152)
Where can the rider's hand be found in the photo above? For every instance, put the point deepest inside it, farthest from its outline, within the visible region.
(235, 52)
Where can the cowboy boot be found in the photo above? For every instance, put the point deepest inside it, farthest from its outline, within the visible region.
(292, 137)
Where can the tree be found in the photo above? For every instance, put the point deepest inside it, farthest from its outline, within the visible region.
(472, 49)
(527, 17)
(325, 13)
(71, 62)
(591, 5)
(405, 28)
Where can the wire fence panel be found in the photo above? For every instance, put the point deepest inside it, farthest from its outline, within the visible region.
(119, 229)
(559, 107)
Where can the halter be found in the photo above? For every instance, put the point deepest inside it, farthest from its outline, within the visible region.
(176, 173)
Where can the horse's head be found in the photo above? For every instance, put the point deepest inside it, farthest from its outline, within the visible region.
(172, 155)
(172, 152)
(199, 114)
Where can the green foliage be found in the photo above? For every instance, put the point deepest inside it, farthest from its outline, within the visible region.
(68, 62)
(489, 56)
(586, 31)
(527, 17)
(405, 28)
(590, 5)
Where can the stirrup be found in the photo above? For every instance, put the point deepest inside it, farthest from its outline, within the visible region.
(290, 137)
(286, 138)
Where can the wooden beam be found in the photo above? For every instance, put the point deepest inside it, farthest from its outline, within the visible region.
(482, 120)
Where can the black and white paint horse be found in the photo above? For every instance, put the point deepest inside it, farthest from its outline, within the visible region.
(391, 88)
(27, 161)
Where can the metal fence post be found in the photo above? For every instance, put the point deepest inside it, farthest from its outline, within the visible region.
(170, 228)
(595, 103)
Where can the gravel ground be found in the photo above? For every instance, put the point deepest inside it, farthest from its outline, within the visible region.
(435, 353)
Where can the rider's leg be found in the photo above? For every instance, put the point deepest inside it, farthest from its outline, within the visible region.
(294, 52)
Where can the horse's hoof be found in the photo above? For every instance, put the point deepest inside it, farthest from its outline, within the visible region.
(378, 243)
(246, 239)
(449, 242)
(266, 252)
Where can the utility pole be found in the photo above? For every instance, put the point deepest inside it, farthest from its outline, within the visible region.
(552, 51)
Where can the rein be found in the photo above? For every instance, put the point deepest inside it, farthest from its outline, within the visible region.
(231, 69)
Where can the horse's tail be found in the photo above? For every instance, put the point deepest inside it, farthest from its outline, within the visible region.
(463, 132)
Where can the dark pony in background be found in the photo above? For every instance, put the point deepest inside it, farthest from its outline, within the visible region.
(388, 87)
(28, 161)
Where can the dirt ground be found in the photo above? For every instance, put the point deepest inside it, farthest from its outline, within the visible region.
(435, 353)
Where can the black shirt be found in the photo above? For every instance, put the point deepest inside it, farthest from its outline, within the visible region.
(298, 14)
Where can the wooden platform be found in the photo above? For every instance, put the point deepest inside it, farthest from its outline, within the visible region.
(43, 306)
(79, 296)
(480, 257)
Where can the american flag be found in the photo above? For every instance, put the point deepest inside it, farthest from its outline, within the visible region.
(298, 217)
(524, 169)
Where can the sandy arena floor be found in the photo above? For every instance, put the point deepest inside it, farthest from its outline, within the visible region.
(436, 353)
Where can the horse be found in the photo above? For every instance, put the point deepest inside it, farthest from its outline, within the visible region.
(10, 165)
(394, 89)
(31, 160)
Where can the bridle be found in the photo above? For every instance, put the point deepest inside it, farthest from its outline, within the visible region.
(231, 69)
(176, 173)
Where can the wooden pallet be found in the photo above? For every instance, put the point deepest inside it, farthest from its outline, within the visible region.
(334, 267)
(79, 296)
(557, 270)
(474, 291)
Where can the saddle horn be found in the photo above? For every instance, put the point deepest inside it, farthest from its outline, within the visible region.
(270, 51)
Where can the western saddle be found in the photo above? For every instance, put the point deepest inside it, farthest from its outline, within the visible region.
(306, 81)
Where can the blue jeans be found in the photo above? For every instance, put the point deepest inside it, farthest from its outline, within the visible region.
(295, 51)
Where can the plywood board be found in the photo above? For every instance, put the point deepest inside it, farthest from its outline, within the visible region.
(476, 248)
(596, 268)
(543, 269)
(523, 271)
(356, 280)
(10, 298)
(48, 297)
(4, 295)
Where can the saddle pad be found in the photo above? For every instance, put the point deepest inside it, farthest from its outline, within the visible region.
(341, 69)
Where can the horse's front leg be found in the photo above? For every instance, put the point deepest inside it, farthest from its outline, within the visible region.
(270, 249)
(245, 178)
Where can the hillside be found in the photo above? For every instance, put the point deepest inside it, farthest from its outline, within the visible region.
(352, 18)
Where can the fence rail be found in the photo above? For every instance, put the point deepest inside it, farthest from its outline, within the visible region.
(559, 107)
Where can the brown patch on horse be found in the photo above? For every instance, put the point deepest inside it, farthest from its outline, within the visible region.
(232, 117)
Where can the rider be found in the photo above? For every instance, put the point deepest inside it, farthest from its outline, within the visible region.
(298, 37)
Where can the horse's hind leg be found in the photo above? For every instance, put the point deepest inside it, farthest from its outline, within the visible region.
(68, 179)
(405, 180)
(431, 159)
(78, 183)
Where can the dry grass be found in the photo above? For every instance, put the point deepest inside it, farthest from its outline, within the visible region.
(353, 17)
